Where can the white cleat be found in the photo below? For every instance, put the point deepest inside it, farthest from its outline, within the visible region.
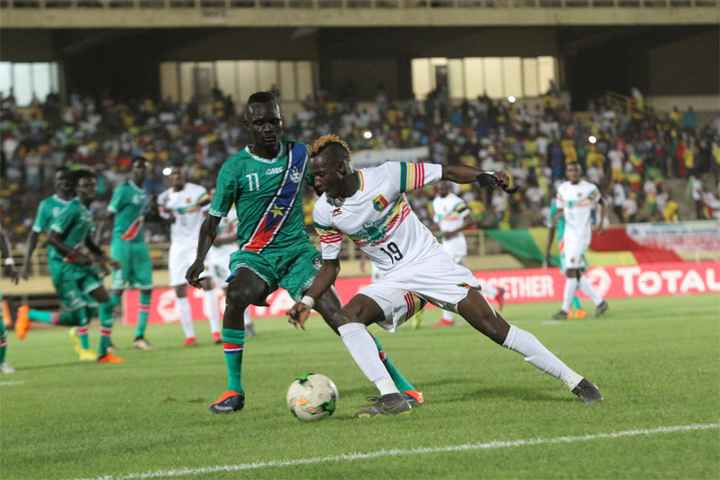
(6, 368)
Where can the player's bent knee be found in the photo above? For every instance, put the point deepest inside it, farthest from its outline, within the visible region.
(241, 296)
(571, 273)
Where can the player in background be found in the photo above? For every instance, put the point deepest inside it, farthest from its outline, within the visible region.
(576, 202)
(576, 310)
(184, 206)
(218, 265)
(127, 210)
(12, 274)
(369, 205)
(82, 262)
(452, 216)
(264, 182)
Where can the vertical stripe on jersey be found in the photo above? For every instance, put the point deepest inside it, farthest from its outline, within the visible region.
(282, 203)
(403, 176)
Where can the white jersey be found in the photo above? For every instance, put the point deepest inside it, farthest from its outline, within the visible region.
(578, 202)
(218, 258)
(450, 213)
(378, 217)
(189, 215)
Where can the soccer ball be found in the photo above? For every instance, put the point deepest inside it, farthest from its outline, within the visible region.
(311, 397)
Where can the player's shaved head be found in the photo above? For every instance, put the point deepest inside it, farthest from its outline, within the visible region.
(264, 122)
(573, 172)
(139, 171)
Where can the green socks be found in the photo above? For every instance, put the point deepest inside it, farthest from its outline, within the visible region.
(106, 322)
(3, 340)
(576, 303)
(143, 313)
(234, 344)
(43, 316)
(82, 330)
(401, 382)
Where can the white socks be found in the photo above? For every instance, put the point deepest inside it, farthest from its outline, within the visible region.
(183, 306)
(213, 309)
(448, 316)
(527, 345)
(365, 353)
(571, 285)
(247, 319)
(587, 289)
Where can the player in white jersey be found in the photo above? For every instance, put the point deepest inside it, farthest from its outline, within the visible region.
(369, 206)
(577, 200)
(452, 216)
(184, 204)
(217, 263)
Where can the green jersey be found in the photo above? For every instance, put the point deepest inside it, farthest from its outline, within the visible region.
(73, 225)
(129, 204)
(267, 195)
(47, 211)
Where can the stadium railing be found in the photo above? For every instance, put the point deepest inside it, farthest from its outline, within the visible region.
(352, 4)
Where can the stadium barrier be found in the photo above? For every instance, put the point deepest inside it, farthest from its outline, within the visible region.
(522, 286)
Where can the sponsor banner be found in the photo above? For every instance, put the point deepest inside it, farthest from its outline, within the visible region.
(684, 236)
(521, 286)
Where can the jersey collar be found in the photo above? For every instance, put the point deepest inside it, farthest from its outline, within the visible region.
(266, 160)
(134, 185)
(57, 198)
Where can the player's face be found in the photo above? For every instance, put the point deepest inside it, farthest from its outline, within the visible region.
(328, 177)
(139, 171)
(265, 123)
(86, 189)
(177, 178)
(443, 189)
(573, 173)
(63, 183)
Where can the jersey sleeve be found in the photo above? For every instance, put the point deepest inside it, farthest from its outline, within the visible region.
(461, 208)
(330, 237)
(406, 176)
(42, 218)
(64, 220)
(226, 188)
(559, 201)
(202, 197)
(162, 205)
(116, 202)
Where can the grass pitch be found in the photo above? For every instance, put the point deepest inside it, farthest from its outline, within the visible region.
(655, 360)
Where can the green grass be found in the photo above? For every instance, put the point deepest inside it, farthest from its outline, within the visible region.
(656, 361)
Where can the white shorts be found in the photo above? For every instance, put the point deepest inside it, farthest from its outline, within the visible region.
(455, 247)
(179, 260)
(218, 264)
(573, 251)
(403, 292)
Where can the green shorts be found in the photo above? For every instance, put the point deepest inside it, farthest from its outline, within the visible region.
(135, 265)
(76, 283)
(293, 269)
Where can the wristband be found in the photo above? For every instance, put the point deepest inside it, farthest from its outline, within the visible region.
(9, 262)
(308, 301)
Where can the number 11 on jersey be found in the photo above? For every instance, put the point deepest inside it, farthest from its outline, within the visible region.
(253, 181)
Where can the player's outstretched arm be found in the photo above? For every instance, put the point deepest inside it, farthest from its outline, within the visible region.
(30, 246)
(208, 232)
(323, 281)
(466, 174)
(8, 262)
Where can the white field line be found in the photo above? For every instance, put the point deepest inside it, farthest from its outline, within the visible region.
(402, 452)
(11, 383)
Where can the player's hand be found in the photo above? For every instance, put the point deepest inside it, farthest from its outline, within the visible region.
(80, 258)
(193, 274)
(298, 314)
(501, 180)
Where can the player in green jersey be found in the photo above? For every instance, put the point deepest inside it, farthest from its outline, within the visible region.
(127, 208)
(558, 231)
(265, 183)
(12, 274)
(80, 259)
(47, 211)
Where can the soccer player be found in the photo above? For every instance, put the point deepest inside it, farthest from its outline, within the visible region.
(12, 274)
(265, 183)
(577, 199)
(218, 265)
(369, 206)
(183, 204)
(452, 216)
(576, 311)
(82, 261)
(127, 208)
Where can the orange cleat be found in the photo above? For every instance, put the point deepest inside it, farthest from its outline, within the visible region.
(5, 310)
(500, 298)
(110, 358)
(580, 314)
(415, 397)
(444, 323)
(190, 342)
(22, 325)
(230, 401)
(217, 340)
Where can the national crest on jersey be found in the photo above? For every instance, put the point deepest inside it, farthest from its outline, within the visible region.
(380, 203)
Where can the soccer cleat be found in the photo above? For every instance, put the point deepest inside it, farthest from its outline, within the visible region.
(228, 402)
(110, 358)
(580, 314)
(22, 324)
(414, 397)
(6, 368)
(442, 323)
(86, 355)
(601, 309)
(390, 404)
(500, 298)
(74, 339)
(190, 342)
(587, 392)
(141, 344)
(5, 312)
(217, 340)
(250, 330)
(561, 315)
(570, 314)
